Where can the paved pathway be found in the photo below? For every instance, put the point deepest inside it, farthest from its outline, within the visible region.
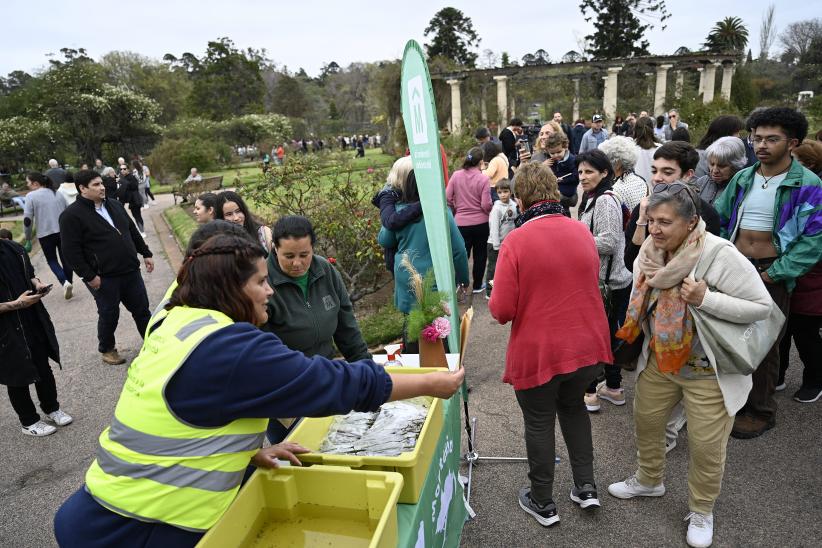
(771, 493)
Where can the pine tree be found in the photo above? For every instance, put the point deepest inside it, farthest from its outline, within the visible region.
(622, 25)
(454, 34)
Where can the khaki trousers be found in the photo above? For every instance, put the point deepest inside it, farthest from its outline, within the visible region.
(709, 426)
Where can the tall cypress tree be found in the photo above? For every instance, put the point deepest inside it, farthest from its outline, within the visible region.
(453, 34)
(621, 26)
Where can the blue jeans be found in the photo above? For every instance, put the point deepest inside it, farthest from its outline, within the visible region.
(51, 247)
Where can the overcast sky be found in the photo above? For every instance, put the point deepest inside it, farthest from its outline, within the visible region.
(307, 33)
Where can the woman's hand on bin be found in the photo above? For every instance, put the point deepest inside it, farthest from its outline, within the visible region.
(267, 457)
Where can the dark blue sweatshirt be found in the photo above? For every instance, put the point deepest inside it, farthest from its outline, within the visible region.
(237, 372)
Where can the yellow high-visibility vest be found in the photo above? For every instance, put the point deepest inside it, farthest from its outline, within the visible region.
(152, 465)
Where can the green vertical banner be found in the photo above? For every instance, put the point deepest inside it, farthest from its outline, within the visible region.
(419, 114)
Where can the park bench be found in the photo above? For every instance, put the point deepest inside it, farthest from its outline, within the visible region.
(189, 191)
(9, 206)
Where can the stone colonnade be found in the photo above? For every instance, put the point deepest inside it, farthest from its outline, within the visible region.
(707, 87)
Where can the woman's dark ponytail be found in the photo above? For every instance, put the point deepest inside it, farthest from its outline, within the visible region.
(42, 180)
(473, 158)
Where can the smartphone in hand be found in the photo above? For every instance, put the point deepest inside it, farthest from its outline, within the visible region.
(42, 291)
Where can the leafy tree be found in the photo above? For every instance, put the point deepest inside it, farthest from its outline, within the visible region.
(172, 159)
(728, 36)
(682, 50)
(288, 97)
(454, 35)
(797, 37)
(631, 19)
(25, 142)
(226, 81)
(170, 88)
(767, 32)
(505, 60)
(572, 57)
(255, 128)
(15, 80)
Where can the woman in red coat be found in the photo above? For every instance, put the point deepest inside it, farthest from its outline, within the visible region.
(546, 283)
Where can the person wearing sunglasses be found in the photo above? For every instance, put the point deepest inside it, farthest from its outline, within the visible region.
(772, 212)
(676, 366)
(673, 123)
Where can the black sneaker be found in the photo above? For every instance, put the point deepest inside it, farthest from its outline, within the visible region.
(585, 496)
(807, 395)
(545, 514)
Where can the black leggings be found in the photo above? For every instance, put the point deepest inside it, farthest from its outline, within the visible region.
(476, 239)
(613, 373)
(138, 216)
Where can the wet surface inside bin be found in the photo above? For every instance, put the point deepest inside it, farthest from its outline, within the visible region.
(310, 525)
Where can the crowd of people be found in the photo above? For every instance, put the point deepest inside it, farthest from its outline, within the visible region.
(667, 238)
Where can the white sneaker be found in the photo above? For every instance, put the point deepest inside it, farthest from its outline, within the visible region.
(39, 429)
(780, 387)
(67, 289)
(700, 530)
(59, 417)
(631, 488)
(143, 234)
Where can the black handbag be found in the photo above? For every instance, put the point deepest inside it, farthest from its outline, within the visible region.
(627, 353)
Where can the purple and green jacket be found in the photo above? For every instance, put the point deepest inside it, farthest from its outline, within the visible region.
(797, 231)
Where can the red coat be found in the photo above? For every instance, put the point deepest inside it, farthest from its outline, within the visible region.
(546, 283)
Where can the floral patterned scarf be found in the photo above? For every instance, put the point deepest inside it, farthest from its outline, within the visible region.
(660, 282)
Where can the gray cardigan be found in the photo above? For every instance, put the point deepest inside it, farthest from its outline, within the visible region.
(43, 207)
(609, 237)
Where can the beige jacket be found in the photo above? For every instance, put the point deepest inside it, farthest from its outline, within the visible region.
(736, 294)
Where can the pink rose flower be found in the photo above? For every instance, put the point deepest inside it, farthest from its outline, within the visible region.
(430, 333)
(443, 326)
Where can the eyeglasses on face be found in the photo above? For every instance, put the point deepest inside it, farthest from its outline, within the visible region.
(769, 140)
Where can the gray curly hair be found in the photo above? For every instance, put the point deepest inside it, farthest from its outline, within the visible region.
(728, 151)
(620, 151)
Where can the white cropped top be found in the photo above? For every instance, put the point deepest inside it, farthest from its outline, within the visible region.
(758, 206)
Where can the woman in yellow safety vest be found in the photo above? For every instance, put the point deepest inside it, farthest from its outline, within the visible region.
(194, 408)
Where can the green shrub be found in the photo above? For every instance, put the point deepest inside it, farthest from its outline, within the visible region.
(382, 327)
(172, 159)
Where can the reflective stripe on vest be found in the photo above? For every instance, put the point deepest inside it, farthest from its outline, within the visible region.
(148, 444)
(176, 475)
(155, 466)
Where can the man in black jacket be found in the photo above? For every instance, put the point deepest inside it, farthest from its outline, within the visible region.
(509, 138)
(101, 243)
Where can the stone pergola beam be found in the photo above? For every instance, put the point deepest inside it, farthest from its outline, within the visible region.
(661, 88)
(456, 106)
(575, 114)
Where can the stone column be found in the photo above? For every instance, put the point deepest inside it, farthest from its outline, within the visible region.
(701, 71)
(727, 77)
(709, 85)
(456, 107)
(502, 100)
(483, 106)
(609, 101)
(513, 106)
(575, 114)
(650, 82)
(680, 84)
(661, 89)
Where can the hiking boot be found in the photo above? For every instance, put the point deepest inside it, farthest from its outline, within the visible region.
(807, 395)
(631, 488)
(591, 402)
(59, 417)
(613, 395)
(585, 496)
(700, 530)
(747, 427)
(545, 514)
(67, 289)
(113, 358)
(39, 429)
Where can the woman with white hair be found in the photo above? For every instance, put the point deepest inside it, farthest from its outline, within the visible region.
(628, 186)
(726, 156)
(386, 200)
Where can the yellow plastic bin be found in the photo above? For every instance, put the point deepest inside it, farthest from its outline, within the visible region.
(311, 507)
(413, 465)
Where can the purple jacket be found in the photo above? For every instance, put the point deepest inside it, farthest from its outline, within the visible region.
(469, 196)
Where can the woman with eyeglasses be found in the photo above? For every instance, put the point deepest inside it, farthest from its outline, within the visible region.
(673, 123)
(674, 365)
(725, 157)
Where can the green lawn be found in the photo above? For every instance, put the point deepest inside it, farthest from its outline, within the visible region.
(181, 223)
(16, 228)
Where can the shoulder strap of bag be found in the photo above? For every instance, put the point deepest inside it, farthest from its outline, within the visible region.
(704, 261)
